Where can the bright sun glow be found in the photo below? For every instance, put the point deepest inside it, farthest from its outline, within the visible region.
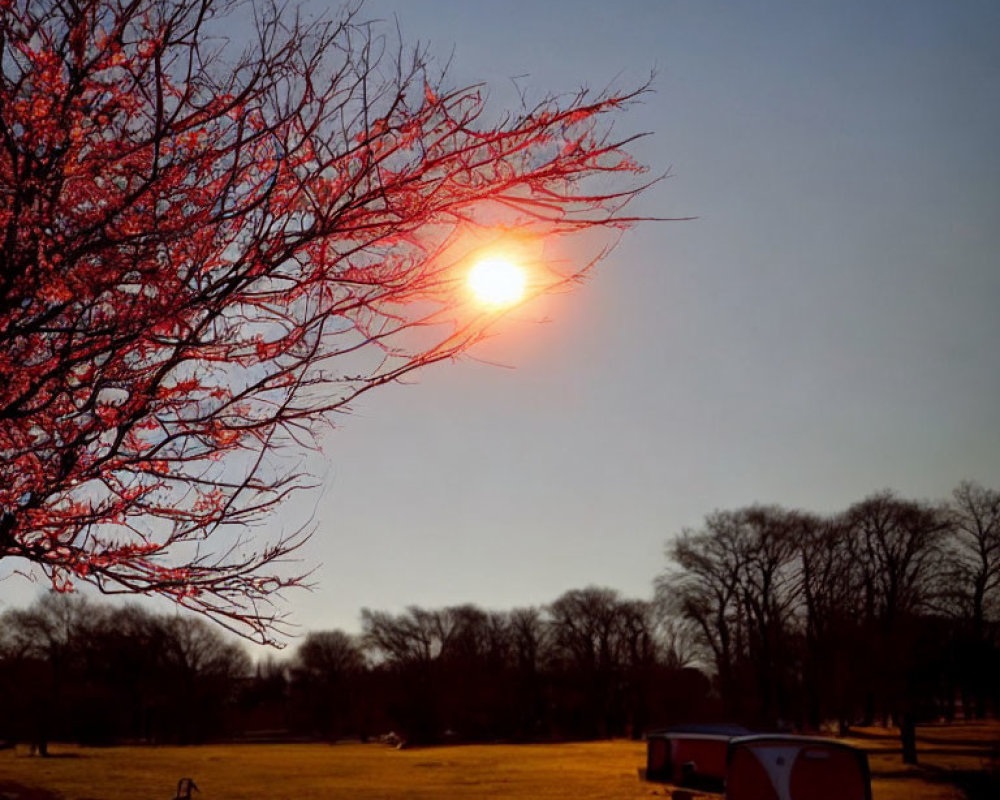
(497, 281)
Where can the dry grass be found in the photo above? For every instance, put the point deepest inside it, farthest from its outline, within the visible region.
(596, 771)
(586, 771)
(950, 756)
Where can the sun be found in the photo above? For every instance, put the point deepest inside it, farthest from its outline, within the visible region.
(497, 281)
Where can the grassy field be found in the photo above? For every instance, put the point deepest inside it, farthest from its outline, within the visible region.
(584, 771)
(950, 756)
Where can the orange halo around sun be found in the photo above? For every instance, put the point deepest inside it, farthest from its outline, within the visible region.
(497, 281)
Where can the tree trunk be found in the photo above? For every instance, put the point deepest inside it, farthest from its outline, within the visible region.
(908, 737)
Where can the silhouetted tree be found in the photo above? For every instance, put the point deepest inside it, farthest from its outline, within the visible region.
(530, 644)
(974, 516)
(739, 580)
(706, 581)
(264, 701)
(473, 670)
(326, 673)
(769, 590)
(601, 646)
(896, 545)
(202, 672)
(405, 647)
(972, 585)
(123, 682)
(44, 644)
(834, 608)
(830, 617)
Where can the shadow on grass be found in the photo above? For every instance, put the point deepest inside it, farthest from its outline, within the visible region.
(16, 791)
(987, 743)
(889, 736)
(976, 785)
(981, 784)
(981, 752)
(51, 756)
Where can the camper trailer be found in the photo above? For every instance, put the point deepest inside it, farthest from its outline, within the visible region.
(693, 756)
(740, 765)
(772, 767)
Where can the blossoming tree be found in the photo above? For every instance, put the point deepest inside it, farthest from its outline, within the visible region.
(208, 246)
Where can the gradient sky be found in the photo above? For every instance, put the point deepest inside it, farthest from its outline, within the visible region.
(827, 327)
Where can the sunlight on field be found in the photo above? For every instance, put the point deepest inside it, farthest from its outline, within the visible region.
(591, 771)
(584, 771)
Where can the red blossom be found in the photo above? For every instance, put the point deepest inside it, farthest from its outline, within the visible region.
(200, 263)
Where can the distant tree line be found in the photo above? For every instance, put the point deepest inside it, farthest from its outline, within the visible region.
(591, 664)
(887, 611)
(72, 670)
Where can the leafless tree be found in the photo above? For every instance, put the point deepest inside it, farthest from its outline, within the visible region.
(974, 515)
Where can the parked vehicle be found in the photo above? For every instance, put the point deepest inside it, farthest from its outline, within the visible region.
(740, 765)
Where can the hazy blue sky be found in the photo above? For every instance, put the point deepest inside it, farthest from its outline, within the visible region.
(826, 328)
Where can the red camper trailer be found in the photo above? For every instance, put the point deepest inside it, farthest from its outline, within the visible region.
(774, 767)
(729, 760)
(693, 756)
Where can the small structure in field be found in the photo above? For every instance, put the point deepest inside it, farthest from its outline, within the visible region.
(775, 767)
(741, 765)
(693, 756)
